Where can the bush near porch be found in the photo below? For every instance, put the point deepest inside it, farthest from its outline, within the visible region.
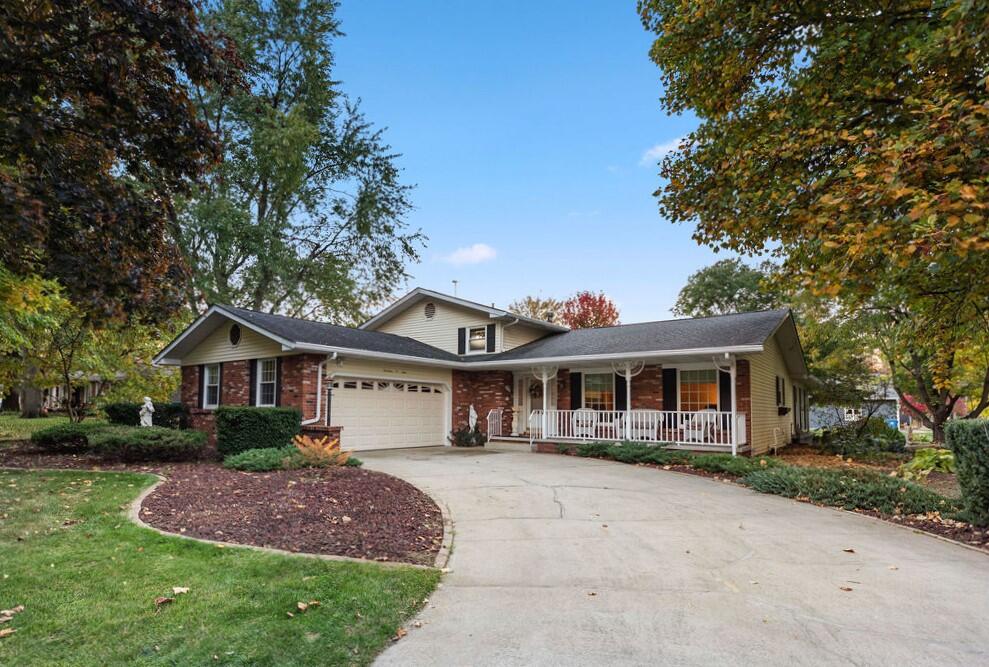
(239, 429)
(969, 440)
(169, 415)
(121, 443)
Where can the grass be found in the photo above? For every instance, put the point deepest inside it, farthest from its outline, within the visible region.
(88, 578)
(13, 427)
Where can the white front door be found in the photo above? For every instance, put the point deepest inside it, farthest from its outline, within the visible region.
(379, 414)
(529, 396)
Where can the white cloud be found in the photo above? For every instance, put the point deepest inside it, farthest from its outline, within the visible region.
(472, 254)
(659, 151)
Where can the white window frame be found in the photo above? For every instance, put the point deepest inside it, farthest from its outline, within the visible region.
(583, 389)
(207, 384)
(259, 382)
(484, 346)
(717, 384)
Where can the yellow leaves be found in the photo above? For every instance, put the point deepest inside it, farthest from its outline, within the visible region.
(321, 452)
(968, 193)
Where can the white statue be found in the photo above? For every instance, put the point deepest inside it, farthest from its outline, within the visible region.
(472, 417)
(146, 411)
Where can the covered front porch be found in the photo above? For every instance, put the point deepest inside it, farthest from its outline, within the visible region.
(682, 403)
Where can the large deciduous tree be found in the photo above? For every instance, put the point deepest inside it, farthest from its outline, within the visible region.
(305, 215)
(850, 140)
(585, 310)
(97, 135)
(537, 307)
(727, 286)
(850, 134)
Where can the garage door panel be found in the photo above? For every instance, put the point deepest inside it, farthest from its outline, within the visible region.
(382, 415)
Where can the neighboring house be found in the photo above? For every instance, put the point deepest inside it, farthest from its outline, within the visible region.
(409, 375)
(883, 403)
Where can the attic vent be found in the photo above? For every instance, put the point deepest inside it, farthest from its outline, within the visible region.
(430, 310)
(235, 334)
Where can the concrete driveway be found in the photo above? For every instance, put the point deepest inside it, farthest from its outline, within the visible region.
(562, 561)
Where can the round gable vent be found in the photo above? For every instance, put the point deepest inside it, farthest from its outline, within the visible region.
(235, 334)
(430, 310)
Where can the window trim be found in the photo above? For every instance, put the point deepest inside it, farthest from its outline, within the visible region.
(258, 382)
(583, 389)
(484, 343)
(206, 386)
(717, 386)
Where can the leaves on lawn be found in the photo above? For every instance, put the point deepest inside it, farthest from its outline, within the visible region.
(401, 632)
(179, 590)
(6, 632)
(161, 599)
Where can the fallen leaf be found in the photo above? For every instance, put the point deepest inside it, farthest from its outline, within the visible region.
(893, 567)
(6, 632)
(417, 624)
(401, 632)
(849, 550)
(845, 588)
(591, 594)
(302, 606)
(290, 614)
(161, 599)
(179, 590)
(314, 603)
(10, 612)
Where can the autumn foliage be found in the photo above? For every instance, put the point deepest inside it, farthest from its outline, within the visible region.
(321, 452)
(585, 310)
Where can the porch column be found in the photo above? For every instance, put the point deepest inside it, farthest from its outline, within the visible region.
(734, 411)
(628, 400)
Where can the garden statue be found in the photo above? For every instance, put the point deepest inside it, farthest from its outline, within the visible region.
(146, 411)
(472, 417)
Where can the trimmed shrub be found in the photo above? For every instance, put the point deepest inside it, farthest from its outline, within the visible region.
(131, 443)
(849, 489)
(241, 428)
(66, 438)
(594, 450)
(873, 436)
(169, 415)
(969, 440)
(464, 437)
(732, 465)
(264, 459)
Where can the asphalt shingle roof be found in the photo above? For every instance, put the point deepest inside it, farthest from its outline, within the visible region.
(708, 332)
(320, 333)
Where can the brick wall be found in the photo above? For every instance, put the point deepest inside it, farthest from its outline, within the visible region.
(743, 395)
(647, 389)
(189, 390)
(235, 383)
(486, 390)
(563, 390)
(300, 375)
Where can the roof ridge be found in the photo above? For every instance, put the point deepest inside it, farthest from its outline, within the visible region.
(687, 319)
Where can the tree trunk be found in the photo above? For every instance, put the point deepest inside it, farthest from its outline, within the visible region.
(29, 395)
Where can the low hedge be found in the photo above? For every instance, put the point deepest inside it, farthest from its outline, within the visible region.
(849, 489)
(969, 440)
(266, 459)
(155, 443)
(239, 428)
(169, 415)
(874, 436)
(638, 452)
(66, 438)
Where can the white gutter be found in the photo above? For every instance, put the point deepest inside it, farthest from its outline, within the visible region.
(319, 390)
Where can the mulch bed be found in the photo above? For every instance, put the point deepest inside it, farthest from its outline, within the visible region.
(335, 511)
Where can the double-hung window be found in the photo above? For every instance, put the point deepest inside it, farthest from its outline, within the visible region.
(267, 379)
(599, 391)
(477, 340)
(698, 390)
(211, 386)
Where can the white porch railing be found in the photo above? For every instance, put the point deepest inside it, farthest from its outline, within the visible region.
(494, 423)
(674, 427)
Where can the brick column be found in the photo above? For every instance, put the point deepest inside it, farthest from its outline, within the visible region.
(300, 378)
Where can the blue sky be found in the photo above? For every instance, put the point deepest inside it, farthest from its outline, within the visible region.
(524, 126)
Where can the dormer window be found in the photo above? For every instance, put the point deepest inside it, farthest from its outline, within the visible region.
(477, 340)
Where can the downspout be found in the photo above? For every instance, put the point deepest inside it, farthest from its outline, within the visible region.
(319, 390)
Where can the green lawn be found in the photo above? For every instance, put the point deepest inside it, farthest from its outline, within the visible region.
(88, 579)
(12, 427)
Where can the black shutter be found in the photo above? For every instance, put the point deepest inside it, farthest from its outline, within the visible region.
(253, 400)
(278, 382)
(778, 390)
(219, 385)
(490, 337)
(462, 340)
(669, 389)
(202, 386)
(576, 391)
(621, 393)
(724, 391)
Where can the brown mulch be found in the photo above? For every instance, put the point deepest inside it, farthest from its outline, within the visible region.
(336, 511)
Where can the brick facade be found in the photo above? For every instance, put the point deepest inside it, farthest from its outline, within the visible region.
(235, 383)
(300, 375)
(563, 390)
(485, 390)
(647, 389)
(189, 391)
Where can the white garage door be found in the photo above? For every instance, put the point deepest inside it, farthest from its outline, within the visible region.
(376, 414)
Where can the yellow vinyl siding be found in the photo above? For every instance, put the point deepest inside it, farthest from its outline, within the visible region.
(217, 347)
(764, 367)
(352, 367)
(441, 329)
(520, 334)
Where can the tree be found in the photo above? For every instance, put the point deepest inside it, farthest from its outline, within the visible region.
(727, 286)
(548, 309)
(846, 137)
(96, 138)
(585, 310)
(304, 216)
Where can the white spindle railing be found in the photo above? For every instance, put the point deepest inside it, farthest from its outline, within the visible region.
(676, 427)
(494, 423)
